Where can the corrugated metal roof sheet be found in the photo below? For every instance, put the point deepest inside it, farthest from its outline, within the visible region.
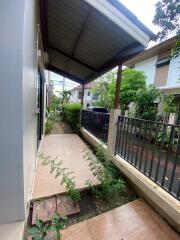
(81, 41)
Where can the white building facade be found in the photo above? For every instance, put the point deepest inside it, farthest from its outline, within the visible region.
(89, 96)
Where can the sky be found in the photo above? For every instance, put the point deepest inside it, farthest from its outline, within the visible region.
(58, 80)
(144, 11)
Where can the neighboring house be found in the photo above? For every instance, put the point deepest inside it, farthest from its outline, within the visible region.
(89, 97)
(159, 69)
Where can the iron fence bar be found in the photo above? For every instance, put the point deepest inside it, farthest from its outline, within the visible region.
(133, 141)
(154, 147)
(129, 144)
(147, 151)
(178, 192)
(117, 136)
(143, 146)
(159, 156)
(138, 143)
(127, 135)
(174, 166)
(120, 133)
(124, 128)
(145, 135)
(167, 155)
(96, 122)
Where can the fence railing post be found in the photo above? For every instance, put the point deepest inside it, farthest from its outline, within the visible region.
(112, 129)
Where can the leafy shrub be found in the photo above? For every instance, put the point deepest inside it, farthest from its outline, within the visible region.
(72, 115)
(58, 223)
(145, 107)
(165, 139)
(43, 231)
(49, 122)
(111, 185)
(67, 178)
(48, 126)
(38, 232)
(169, 105)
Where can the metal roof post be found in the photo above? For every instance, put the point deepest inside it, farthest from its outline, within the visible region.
(118, 86)
(82, 96)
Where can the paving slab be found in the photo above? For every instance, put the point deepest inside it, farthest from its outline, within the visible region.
(79, 231)
(66, 206)
(44, 210)
(133, 221)
(69, 149)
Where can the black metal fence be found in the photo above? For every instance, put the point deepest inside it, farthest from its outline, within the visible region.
(97, 123)
(153, 148)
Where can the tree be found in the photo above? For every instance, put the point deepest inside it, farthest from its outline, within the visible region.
(66, 94)
(167, 16)
(55, 103)
(103, 89)
(145, 98)
(132, 80)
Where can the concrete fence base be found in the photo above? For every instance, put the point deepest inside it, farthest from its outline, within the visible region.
(166, 205)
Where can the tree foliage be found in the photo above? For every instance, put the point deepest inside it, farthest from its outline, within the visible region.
(103, 89)
(132, 80)
(167, 17)
(145, 98)
(169, 105)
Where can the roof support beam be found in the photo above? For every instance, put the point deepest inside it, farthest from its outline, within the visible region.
(77, 40)
(65, 74)
(71, 57)
(119, 59)
(80, 33)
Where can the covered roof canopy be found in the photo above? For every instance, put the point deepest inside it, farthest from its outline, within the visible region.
(86, 38)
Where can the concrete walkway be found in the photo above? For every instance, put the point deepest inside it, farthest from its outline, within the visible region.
(69, 149)
(133, 221)
(60, 127)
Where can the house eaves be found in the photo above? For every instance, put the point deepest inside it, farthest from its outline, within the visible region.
(165, 46)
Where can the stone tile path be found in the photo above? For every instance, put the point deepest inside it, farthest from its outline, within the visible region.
(69, 149)
(133, 221)
(46, 208)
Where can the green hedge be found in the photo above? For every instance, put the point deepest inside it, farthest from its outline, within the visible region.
(72, 115)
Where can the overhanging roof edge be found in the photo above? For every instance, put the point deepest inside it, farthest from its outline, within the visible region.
(133, 18)
(65, 74)
(117, 16)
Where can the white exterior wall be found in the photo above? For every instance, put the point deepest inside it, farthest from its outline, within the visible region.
(30, 63)
(11, 122)
(149, 68)
(18, 104)
(174, 72)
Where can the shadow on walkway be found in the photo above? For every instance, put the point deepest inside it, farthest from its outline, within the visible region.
(61, 127)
